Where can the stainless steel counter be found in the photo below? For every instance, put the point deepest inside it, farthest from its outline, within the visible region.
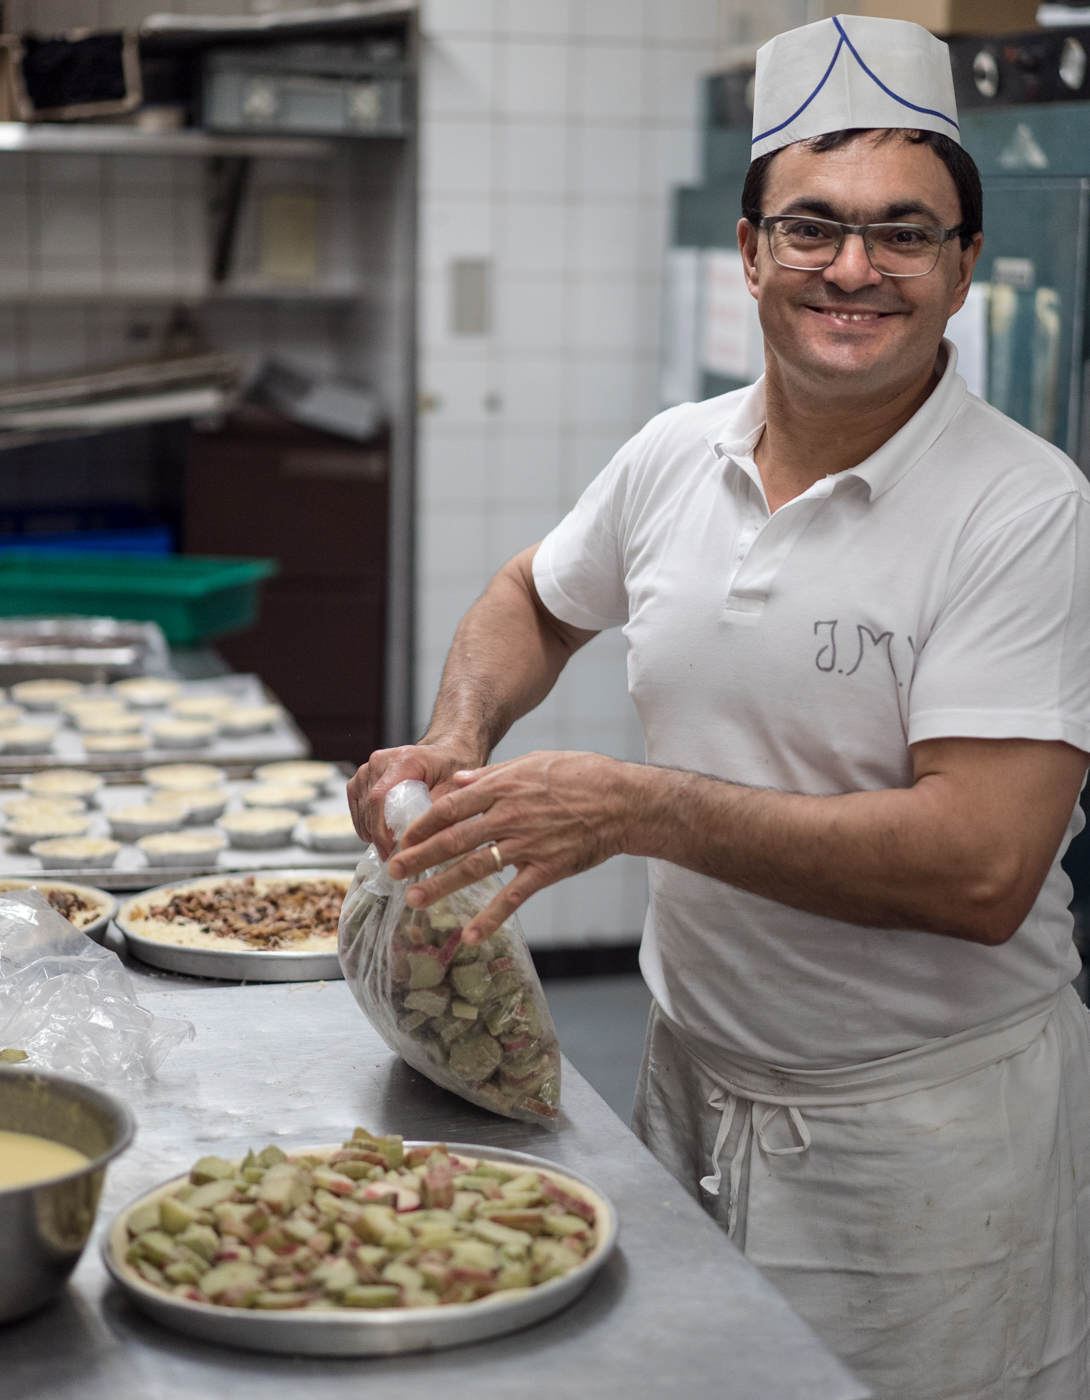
(677, 1310)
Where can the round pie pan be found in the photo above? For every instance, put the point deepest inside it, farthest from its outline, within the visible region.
(232, 964)
(382, 1331)
(96, 929)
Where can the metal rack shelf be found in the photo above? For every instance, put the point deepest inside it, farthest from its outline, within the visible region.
(190, 296)
(55, 138)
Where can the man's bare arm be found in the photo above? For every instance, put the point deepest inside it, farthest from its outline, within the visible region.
(505, 658)
(962, 852)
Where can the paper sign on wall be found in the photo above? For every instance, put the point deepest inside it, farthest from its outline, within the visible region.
(731, 342)
(968, 330)
(681, 328)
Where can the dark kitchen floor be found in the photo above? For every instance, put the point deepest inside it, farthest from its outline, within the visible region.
(601, 1023)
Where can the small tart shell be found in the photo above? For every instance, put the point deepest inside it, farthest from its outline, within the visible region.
(259, 828)
(331, 831)
(136, 820)
(202, 706)
(115, 743)
(23, 833)
(298, 796)
(75, 852)
(146, 692)
(109, 722)
(179, 776)
(182, 847)
(44, 694)
(27, 738)
(202, 804)
(16, 808)
(62, 782)
(298, 770)
(183, 733)
(249, 719)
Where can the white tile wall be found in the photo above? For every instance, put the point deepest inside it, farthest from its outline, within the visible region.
(556, 138)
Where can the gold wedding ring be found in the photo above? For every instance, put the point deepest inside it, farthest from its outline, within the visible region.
(496, 857)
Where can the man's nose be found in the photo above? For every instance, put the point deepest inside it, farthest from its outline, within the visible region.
(851, 268)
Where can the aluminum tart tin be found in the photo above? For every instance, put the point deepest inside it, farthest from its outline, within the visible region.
(232, 964)
(378, 1332)
(96, 929)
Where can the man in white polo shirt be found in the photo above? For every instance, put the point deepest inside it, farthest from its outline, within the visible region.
(856, 603)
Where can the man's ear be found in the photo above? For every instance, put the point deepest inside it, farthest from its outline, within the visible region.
(969, 258)
(747, 246)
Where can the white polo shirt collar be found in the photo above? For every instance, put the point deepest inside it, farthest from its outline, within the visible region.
(737, 440)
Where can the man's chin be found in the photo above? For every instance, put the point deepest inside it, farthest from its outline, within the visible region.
(837, 359)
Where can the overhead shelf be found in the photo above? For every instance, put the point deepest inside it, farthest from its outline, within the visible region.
(85, 139)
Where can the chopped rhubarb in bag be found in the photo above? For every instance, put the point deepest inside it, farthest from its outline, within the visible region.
(473, 1018)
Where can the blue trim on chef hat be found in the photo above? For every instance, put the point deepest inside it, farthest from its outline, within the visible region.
(927, 111)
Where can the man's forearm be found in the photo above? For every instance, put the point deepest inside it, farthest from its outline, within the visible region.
(505, 658)
(962, 852)
(926, 857)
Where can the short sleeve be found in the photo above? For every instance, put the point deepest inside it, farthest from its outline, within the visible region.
(1009, 654)
(578, 568)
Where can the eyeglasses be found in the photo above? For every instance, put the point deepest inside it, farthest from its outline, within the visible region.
(894, 250)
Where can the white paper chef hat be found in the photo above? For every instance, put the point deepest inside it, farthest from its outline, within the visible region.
(851, 71)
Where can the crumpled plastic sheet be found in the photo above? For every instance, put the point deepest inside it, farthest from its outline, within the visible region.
(69, 1003)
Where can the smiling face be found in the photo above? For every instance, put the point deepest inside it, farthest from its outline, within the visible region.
(849, 330)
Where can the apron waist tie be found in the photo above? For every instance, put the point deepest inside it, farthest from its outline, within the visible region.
(766, 1090)
(728, 1103)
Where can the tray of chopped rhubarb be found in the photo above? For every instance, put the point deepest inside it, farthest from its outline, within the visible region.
(371, 1247)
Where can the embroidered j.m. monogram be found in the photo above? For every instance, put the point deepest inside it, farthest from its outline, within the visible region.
(867, 642)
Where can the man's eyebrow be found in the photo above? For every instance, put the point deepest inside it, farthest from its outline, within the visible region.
(822, 209)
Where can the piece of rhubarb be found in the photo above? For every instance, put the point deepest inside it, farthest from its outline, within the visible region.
(474, 1056)
(211, 1169)
(473, 983)
(426, 968)
(437, 1189)
(432, 1001)
(574, 1205)
(532, 1222)
(371, 1295)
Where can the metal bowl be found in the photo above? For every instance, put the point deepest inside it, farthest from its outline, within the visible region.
(44, 1226)
(383, 1332)
(232, 964)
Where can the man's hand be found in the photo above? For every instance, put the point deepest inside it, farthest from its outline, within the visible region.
(550, 815)
(433, 764)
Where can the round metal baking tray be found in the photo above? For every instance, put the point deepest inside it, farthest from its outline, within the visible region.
(382, 1332)
(232, 964)
(96, 929)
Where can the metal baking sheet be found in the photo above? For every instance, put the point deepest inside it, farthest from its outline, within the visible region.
(239, 756)
(383, 1332)
(228, 964)
(131, 871)
(88, 649)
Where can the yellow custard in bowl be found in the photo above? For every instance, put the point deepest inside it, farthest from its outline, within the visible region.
(25, 1159)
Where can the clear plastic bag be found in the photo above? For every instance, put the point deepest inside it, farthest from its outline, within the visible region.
(69, 1004)
(472, 1018)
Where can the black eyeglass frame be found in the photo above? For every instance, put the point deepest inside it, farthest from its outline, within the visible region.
(767, 220)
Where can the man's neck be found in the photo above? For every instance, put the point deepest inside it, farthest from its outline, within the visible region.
(812, 434)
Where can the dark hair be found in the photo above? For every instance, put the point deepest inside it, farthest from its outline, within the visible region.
(957, 160)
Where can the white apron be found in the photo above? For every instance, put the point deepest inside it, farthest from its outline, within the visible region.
(928, 1214)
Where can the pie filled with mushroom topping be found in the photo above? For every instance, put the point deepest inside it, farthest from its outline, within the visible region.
(254, 913)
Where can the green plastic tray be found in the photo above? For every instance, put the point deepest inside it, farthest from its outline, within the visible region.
(190, 596)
